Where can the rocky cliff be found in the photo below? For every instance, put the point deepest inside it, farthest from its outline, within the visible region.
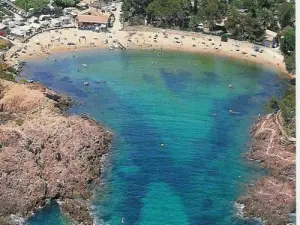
(272, 198)
(45, 154)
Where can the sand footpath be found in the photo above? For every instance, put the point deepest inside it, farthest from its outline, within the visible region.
(72, 39)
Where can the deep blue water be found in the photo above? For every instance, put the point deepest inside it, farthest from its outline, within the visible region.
(180, 100)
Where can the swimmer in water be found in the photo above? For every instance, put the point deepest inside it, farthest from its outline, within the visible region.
(233, 112)
(256, 116)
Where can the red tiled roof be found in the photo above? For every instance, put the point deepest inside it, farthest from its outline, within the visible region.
(92, 19)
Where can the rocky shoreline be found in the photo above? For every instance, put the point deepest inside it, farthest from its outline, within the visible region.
(272, 198)
(45, 154)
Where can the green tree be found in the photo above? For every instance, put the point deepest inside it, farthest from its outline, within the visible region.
(267, 4)
(290, 63)
(243, 26)
(253, 28)
(267, 17)
(288, 107)
(35, 4)
(288, 47)
(272, 105)
(210, 11)
(6, 75)
(195, 8)
(286, 14)
(158, 9)
(170, 12)
(288, 42)
(133, 8)
(66, 3)
(193, 23)
(233, 23)
(237, 4)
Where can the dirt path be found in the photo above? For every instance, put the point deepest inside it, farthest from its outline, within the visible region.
(270, 145)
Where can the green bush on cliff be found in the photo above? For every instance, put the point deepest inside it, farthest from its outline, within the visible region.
(287, 104)
(4, 44)
(23, 81)
(288, 47)
(6, 75)
(19, 121)
(290, 63)
(272, 105)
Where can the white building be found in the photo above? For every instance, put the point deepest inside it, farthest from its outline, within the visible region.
(3, 26)
(17, 32)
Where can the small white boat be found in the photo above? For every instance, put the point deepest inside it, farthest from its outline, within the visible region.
(84, 65)
(111, 48)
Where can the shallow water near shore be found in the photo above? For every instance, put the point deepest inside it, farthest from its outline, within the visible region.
(179, 100)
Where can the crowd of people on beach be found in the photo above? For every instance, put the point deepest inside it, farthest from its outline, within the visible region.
(70, 39)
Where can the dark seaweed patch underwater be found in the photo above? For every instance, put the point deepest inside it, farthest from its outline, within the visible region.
(180, 100)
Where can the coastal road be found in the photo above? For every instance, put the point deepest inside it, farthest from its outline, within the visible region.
(117, 24)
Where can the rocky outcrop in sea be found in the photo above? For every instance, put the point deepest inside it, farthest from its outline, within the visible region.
(46, 154)
(272, 198)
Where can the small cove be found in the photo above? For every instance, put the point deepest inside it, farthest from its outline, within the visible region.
(181, 100)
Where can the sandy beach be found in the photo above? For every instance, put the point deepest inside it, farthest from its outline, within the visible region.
(72, 39)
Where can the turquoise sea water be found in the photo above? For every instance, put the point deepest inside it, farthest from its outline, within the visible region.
(180, 100)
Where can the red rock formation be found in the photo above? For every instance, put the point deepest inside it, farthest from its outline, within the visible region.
(273, 197)
(45, 154)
